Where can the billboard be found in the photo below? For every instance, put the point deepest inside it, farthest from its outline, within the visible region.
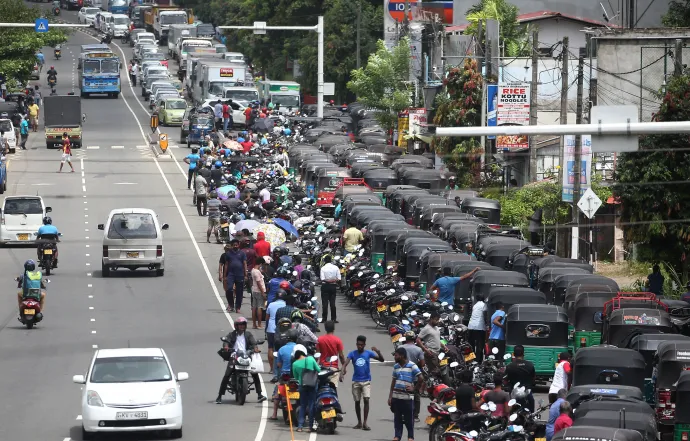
(393, 16)
(569, 165)
(512, 108)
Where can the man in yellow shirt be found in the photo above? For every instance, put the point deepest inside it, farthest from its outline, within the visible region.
(351, 238)
(33, 116)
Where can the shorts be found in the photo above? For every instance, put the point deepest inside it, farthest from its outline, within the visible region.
(361, 389)
(33, 120)
(271, 338)
(257, 300)
(213, 222)
(335, 379)
(66, 157)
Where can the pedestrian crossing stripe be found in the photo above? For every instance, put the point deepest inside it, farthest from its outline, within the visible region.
(117, 147)
(92, 147)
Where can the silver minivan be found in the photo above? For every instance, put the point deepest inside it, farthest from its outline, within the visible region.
(133, 238)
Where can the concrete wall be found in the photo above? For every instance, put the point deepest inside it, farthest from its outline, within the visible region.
(554, 29)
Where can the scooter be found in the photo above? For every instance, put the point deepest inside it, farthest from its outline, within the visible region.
(58, 53)
(239, 384)
(56, 11)
(327, 410)
(48, 252)
(30, 309)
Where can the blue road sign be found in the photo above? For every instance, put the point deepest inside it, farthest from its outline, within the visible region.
(41, 25)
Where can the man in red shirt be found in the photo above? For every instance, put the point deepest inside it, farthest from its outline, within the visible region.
(262, 247)
(330, 345)
(66, 152)
(227, 117)
(564, 420)
(247, 145)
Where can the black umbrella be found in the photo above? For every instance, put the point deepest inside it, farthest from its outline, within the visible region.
(263, 125)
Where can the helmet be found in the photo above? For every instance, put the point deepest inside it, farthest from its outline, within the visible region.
(292, 336)
(410, 335)
(281, 294)
(47, 220)
(284, 323)
(52, 67)
(296, 316)
(29, 265)
(240, 321)
(213, 194)
(299, 348)
(283, 272)
(219, 164)
(284, 285)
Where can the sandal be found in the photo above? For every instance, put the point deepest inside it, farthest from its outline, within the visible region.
(357, 427)
(273, 418)
(299, 429)
(365, 427)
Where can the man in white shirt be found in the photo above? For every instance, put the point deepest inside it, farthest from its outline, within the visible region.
(477, 327)
(135, 73)
(330, 279)
(265, 195)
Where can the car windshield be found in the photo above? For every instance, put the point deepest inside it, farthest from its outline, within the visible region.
(132, 226)
(6, 126)
(118, 3)
(23, 206)
(203, 121)
(154, 56)
(242, 95)
(130, 370)
(173, 19)
(145, 40)
(121, 21)
(101, 66)
(91, 11)
(176, 104)
(286, 100)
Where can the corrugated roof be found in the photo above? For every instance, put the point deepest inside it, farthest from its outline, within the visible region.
(542, 15)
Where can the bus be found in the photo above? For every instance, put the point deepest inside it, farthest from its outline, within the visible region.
(115, 6)
(100, 73)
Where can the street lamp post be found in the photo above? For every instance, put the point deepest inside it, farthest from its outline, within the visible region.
(260, 28)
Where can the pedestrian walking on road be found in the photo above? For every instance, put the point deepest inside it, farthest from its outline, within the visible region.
(330, 278)
(213, 206)
(331, 345)
(416, 356)
(560, 376)
(134, 73)
(236, 273)
(201, 192)
(497, 337)
(194, 160)
(24, 132)
(361, 378)
(258, 292)
(66, 152)
(33, 116)
(477, 327)
(406, 379)
(37, 95)
(307, 392)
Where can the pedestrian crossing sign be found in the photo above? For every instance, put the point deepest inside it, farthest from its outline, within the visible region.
(41, 25)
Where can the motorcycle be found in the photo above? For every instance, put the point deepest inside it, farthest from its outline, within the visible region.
(56, 11)
(327, 411)
(30, 309)
(52, 82)
(58, 53)
(48, 252)
(239, 384)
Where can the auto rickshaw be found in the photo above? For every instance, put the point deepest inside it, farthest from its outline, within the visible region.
(431, 265)
(680, 314)
(671, 358)
(409, 160)
(581, 432)
(562, 282)
(413, 212)
(487, 209)
(388, 192)
(542, 330)
(586, 318)
(309, 171)
(498, 253)
(647, 345)
(645, 300)
(606, 412)
(681, 417)
(408, 204)
(547, 279)
(350, 203)
(623, 324)
(577, 394)
(454, 226)
(409, 257)
(608, 365)
(442, 221)
(363, 218)
(588, 284)
(396, 201)
(352, 191)
(463, 293)
(355, 209)
(429, 179)
(484, 280)
(512, 295)
(377, 232)
(201, 124)
(432, 212)
(399, 236)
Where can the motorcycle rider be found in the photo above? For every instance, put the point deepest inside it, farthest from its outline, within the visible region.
(52, 74)
(304, 334)
(57, 51)
(31, 280)
(239, 340)
(50, 230)
(284, 365)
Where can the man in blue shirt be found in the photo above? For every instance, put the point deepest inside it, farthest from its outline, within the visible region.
(48, 229)
(554, 412)
(236, 273)
(446, 285)
(361, 378)
(24, 132)
(273, 307)
(193, 159)
(497, 337)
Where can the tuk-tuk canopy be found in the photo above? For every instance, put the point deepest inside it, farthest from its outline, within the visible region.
(484, 280)
(610, 365)
(536, 324)
(647, 344)
(395, 237)
(487, 209)
(364, 218)
(586, 311)
(433, 263)
(638, 416)
(595, 390)
(379, 178)
(622, 324)
(378, 230)
(683, 398)
(499, 253)
(598, 433)
(561, 283)
(672, 357)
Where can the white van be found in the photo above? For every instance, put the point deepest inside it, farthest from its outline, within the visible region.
(133, 238)
(118, 24)
(20, 219)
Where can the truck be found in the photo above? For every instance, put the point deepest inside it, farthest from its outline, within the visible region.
(184, 46)
(241, 93)
(285, 95)
(115, 6)
(62, 114)
(210, 77)
(177, 31)
(159, 18)
(195, 54)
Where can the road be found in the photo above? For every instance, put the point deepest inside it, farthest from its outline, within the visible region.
(182, 312)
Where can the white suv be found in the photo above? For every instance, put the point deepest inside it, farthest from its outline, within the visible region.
(21, 218)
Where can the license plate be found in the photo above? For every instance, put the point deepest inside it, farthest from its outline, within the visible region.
(133, 254)
(29, 312)
(395, 338)
(381, 308)
(357, 293)
(430, 420)
(328, 413)
(23, 236)
(131, 415)
(539, 439)
(450, 403)
(293, 395)
(395, 308)
(470, 357)
(48, 252)
(444, 362)
(225, 225)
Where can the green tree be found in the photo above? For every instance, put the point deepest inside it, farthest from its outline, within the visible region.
(460, 106)
(18, 46)
(512, 34)
(653, 184)
(678, 15)
(383, 84)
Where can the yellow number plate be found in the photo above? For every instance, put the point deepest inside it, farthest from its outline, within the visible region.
(395, 338)
(357, 293)
(134, 254)
(328, 413)
(47, 251)
(381, 308)
(293, 395)
(450, 403)
(23, 236)
(29, 312)
(430, 420)
(444, 362)
(225, 225)
(539, 439)
(395, 308)
(470, 357)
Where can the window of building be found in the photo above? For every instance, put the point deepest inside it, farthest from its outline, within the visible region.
(546, 166)
(604, 164)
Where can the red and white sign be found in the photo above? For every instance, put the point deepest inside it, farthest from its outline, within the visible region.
(513, 108)
(227, 72)
(417, 120)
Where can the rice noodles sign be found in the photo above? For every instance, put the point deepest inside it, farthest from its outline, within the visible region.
(512, 108)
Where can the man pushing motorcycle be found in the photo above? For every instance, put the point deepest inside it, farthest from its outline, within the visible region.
(31, 285)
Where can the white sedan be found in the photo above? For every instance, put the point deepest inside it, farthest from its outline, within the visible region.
(238, 116)
(131, 389)
(88, 15)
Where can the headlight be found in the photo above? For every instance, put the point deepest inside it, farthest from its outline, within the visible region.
(93, 399)
(244, 361)
(169, 397)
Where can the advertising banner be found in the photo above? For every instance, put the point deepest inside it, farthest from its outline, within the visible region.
(512, 108)
(569, 165)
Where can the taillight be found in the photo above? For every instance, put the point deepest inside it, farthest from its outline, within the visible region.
(105, 251)
(326, 401)
(583, 342)
(412, 285)
(684, 436)
(285, 377)
(416, 323)
(392, 330)
(356, 284)
(379, 303)
(159, 251)
(466, 350)
(665, 409)
(294, 386)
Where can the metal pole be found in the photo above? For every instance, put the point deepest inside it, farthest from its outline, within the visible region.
(600, 129)
(488, 62)
(51, 25)
(319, 74)
(678, 58)
(359, 19)
(577, 167)
(533, 106)
(564, 103)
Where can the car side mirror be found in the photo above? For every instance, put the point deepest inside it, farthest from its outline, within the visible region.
(182, 376)
(165, 227)
(79, 379)
(101, 227)
(48, 209)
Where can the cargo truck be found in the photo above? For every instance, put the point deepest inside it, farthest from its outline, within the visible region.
(194, 54)
(62, 114)
(177, 31)
(211, 77)
(159, 18)
(285, 95)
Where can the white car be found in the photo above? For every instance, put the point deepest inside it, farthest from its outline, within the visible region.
(21, 218)
(101, 22)
(7, 127)
(130, 389)
(88, 15)
(238, 116)
(118, 25)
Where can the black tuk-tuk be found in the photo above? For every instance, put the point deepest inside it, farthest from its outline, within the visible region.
(598, 433)
(484, 280)
(408, 241)
(463, 294)
(577, 394)
(354, 190)
(671, 358)
(512, 295)
(681, 398)
(609, 365)
(349, 204)
(623, 324)
(432, 264)
(412, 254)
(427, 178)
(589, 283)
(413, 212)
(429, 214)
(606, 412)
(357, 209)
(487, 209)
(498, 253)
(452, 228)
(647, 345)
(562, 282)
(399, 236)
(379, 179)
(396, 201)
(377, 232)
(388, 192)
(363, 218)
(548, 276)
(586, 318)
(408, 201)
(441, 221)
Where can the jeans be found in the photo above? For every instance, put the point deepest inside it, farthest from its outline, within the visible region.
(307, 399)
(191, 174)
(227, 122)
(238, 285)
(403, 413)
(477, 340)
(328, 291)
(201, 205)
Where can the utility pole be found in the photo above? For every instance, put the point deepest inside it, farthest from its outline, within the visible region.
(577, 166)
(406, 21)
(678, 58)
(488, 62)
(564, 102)
(533, 106)
(359, 19)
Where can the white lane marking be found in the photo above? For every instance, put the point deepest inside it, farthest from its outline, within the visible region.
(83, 187)
(91, 308)
(67, 439)
(78, 417)
(88, 255)
(86, 222)
(312, 436)
(82, 173)
(93, 320)
(88, 264)
(94, 346)
(88, 274)
(142, 147)
(86, 215)
(89, 285)
(42, 184)
(91, 297)
(93, 332)
(93, 147)
(83, 180)
(125, 183)
(117, 147)
(87, 246)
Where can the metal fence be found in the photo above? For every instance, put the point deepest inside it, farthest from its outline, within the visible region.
(656, 66)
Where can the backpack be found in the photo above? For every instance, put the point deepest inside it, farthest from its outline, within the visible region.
(32, 284)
